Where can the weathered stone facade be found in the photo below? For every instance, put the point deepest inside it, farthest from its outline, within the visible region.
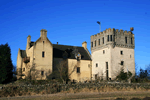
(111, 50)
(42, 57)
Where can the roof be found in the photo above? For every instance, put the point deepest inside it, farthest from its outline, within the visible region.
(59, 50)
(23, 53)
(31, 44)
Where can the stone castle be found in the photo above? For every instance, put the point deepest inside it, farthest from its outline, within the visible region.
(110, 51)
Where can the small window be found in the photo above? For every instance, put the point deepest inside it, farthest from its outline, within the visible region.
(23, 69)
(103, 51)
(96, 64)
(121, 52)
(130, 56)
(42, 73)
(110, 37)
(78, 59)
(43, 54)
(131, 40)
(122, 62)
(78, 69)
(96, 76)
(126, 39)
(91, 44)
(99, 41)
(43, 42)
(95, 43)
(103, 40)
(107, 37)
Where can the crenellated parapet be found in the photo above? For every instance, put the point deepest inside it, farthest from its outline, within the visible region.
(114, 37)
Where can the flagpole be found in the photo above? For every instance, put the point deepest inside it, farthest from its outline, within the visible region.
(100, 28)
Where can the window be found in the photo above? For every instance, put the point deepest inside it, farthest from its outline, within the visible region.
(106, 65)
(103, 40)
(107, 70)
(23, 69)
(103, 51)
(110, 37)
(96, 64)
(107, 37)
(126, 39)
(42, 73)
(78, 59)
(91, 44)
(130, 56)
(122, 62)
(99, 41)
(131, 40)
(78, 69)
(95, 42)
(96, 76)
(43, 42)
(121, 52)
(43, 54)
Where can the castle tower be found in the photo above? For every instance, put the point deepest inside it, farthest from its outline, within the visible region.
(112, 50)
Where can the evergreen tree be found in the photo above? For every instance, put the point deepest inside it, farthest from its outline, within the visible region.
(6, 65)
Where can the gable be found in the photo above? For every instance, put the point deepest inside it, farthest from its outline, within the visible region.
(40, 39)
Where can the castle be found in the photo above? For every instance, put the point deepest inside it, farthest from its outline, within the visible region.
(110, 50)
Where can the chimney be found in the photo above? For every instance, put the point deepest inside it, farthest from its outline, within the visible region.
(43, 33)
(84, 44)
(57, 43)
(28, 42)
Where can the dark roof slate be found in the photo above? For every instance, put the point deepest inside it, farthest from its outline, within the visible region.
(31, 44)
(23, 53)
(58, 51)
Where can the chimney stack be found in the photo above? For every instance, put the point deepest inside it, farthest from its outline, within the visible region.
(43, 33)
(57, 43)
(84, 44)
(28, 42)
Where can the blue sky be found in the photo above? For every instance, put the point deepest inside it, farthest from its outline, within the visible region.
(70, 22)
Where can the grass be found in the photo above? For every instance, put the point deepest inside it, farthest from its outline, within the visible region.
(86, 96)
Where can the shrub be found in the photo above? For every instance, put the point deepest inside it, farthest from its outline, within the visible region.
(124, 75)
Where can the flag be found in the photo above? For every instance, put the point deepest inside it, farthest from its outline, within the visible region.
(98, 22)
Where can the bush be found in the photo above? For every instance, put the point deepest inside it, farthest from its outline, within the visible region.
(124, 75)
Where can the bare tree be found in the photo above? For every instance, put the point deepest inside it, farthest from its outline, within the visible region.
(32, 73)
(64, 73)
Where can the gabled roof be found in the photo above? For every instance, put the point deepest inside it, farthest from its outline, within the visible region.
(23, 53)
(58, 51)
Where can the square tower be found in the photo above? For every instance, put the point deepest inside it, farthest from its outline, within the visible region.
(112, 50)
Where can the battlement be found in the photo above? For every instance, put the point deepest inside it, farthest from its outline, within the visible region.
(114, 31)
(112, 37)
